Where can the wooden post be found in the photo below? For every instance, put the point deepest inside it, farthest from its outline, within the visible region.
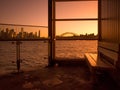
(53, 30)
(18, 55)
(99, 20)
(51, 27)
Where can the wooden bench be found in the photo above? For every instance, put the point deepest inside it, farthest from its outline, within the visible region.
(105, 60)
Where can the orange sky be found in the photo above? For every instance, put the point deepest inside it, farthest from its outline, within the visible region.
(76, 9)
(35, 12)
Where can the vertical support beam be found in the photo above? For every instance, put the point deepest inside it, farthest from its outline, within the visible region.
(51, 32)
(18, 55)
(99, 20)
(54, 28)
(99, 23)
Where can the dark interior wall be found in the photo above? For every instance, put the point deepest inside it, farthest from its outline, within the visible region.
(109, 30)
(110, 21)
(118, 1)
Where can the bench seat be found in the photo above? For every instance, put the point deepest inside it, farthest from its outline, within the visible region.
(106, 60)
(95, 62)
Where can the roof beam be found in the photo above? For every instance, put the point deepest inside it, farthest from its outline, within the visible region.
(73, 0)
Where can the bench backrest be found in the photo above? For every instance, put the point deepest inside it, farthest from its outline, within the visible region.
(109, 52)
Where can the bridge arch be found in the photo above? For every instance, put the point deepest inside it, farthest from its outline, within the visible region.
(68, 33)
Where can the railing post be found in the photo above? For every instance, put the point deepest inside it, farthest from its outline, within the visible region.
(18, 55)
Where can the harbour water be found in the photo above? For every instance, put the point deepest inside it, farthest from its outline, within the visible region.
(34, 54)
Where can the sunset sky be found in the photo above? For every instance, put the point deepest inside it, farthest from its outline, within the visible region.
(35, 12)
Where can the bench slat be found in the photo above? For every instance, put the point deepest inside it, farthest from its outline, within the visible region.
(113, 55)
(90, 60)
(110, 46)
(94, 56)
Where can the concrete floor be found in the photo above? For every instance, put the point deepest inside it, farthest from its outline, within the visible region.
(56, 78)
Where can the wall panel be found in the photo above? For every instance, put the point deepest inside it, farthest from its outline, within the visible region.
(118, 8)
(109, 23)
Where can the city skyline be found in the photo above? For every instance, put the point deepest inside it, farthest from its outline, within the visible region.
(11, 34)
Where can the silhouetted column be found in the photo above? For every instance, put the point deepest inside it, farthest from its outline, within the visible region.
(51, 27)
(99, 20)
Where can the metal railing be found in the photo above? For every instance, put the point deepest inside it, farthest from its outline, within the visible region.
(18, 33)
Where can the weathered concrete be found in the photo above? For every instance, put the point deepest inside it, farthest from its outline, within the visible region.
(55, 78)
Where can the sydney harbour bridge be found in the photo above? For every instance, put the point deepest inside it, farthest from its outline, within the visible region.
(68, 34)
(71, 36)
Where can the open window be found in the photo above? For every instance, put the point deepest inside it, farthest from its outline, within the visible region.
(75, 28)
